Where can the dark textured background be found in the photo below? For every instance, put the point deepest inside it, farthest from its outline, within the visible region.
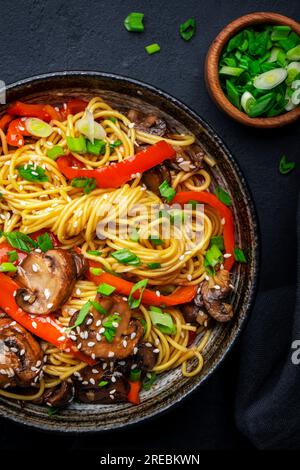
(43, 36)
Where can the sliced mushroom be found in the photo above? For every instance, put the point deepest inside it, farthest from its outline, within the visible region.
(60, 396)
(90, 335)
(154, 177)
(193, 314)
(47, 280)
(212, 294)
(149, 123)
(21, 357)
(98, 385)
(188, 159)
(146, 356)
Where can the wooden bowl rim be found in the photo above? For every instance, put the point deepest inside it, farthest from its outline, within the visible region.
(212, 75)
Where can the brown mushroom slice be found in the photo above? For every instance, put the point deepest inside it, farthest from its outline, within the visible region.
(47, 280)
(188, 159)
(193, 314)
(21, 357)
(98, 385)
(154, 177)
(90, 337)
(146, 356)
(149, 123)
(214, 292)
(60, 396)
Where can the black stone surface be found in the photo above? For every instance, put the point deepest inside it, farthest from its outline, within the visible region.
(43, 36)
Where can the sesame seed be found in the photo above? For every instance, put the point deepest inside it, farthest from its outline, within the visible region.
(98, 322)
(104, 365)
(95, 371)
(89, 321)
(149, 345)
(92, 381)
(156, 350)
(189, 277)
(135, 350)
(223, 221)
(61, 338)
(78, 291)
(124, 343)
(227, 255)
(133, 335)
(101, 330)
(93, 356)
(115, 324)
(79, 346)
(217, 287)
(113, 379)
(47, 293)
(49, 305)
(181, 258)
(91, 344)
(35, 268)
(157, 293)
(111, 354)
(34, 325)
(134, 366)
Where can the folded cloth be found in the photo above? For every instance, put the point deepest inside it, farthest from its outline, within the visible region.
(267, 409)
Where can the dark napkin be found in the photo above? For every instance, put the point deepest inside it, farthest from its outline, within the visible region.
(267, 407)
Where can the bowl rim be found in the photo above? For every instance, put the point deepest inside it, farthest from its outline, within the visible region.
(212, 76)
(256, 257)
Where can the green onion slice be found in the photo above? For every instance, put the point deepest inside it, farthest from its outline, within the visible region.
(223, 196)
(188, 29)
(286, 167)
(126, 256)
(163, 321)
(149, 380)
(38, 128)
(12, 256)
(270, 79)
(152, 48)
(55, 152)
(167, 191)
(105, 289)
(20, 241)
(135, 375)
(154, 265)
(77, 144)
(87, 184)
(139, 286)
(8, 268)
(239, 255)
(134, 22)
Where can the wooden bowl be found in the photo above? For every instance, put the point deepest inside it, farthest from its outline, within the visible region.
(212, 65)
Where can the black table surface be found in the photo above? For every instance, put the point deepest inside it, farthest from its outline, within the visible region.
(40, 36)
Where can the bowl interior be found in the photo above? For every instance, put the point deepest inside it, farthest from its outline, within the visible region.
(171, 386)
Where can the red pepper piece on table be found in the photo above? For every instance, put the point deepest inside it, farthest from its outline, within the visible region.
(116, 174)
(224, 212)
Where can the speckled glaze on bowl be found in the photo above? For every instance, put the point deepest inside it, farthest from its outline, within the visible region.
(171, 387)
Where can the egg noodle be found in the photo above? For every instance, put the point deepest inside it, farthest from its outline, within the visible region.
(74, 218)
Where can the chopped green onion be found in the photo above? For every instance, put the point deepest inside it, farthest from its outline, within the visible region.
(155, 240)
(218, 240)
(154, 265)
(280, 32)
(139, 286)
(103, 383)
(88, 184)
(270, 79)
(30, 172)
(149, 380)
(233, 71)
(134, 22)
(55, 152)
(105, 289)
(163, 321)
(126, 256)
(94, 252)
(77, 144)
(112, 119)
(212, 258)
(96, 271)
(12, 256)
(116, 143)
(135, 375)
(239, 255)
(286, 167)
(96, 148)
(152, 48)
(37, 127)
(98, 307)
(233, 94)
(7, 268)
(188, 29)
(166, 191)
(223, 196)
(294, 53)
(83, 312)
(261, 105)
(20, 241)
(44, 242)
(53, 410)
(134, 235)
(247, 100)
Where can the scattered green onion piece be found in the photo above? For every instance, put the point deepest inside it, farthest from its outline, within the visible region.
(44, 242)
(12, 256)
(84, 311)
(96, 271)
(98, 307)
(139, 286)
(87, 184)
(218, 240)
(103, 383)
(134, 22)
(155, 240)
(112, 119)
(149, 380)
(280, 32)
(223, 196)
(94, 252)
(135, 375)
(126, 256)
(154, 265)
(77, 144)
(233, 71)
(212, 258)
(270, 79)
(8, 268)
(163, 321)
(247, 100)
(37, 127)
(96, 148)
(152, 48)
(105, 289)
(134, 235)
(116, 143)
(55, 152)
(239, 255)
(166, 191)
(32, 173)
(188, 29)
(52, 410)
(285, 167)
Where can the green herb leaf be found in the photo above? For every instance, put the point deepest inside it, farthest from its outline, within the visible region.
(30, 172)
(105, 289)
(223, 196)
(239, 255)
(88, 184)
(139, 286)
(44, 242)
(286, 167)
(188, 29)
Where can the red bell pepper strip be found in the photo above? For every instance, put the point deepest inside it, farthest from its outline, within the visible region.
(46, 112)
(15, 132)
(4, 121)
(134, 391)
(180, 296)
(224, 212)
(5, 248)
(116, 174)
(39, 325)
(73, 107)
